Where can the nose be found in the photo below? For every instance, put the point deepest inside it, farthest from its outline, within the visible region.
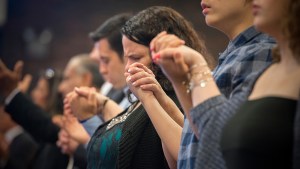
(128, 63)
(103, 69)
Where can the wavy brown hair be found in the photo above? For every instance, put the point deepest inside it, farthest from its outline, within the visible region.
(145, 25)
(291, 29)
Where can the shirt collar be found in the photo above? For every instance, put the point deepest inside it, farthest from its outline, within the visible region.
(241, 39)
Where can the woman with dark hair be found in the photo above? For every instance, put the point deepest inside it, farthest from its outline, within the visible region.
(45, 93)
(130, 140)
(164, 114)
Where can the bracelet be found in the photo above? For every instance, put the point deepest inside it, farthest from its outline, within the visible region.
(198, 78)
(194, 66)
(202, 83)
(100, 108)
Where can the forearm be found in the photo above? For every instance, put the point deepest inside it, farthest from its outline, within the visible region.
(201, 94)
(183, 96)
(171, 161)
(163, 124)
(171, 108)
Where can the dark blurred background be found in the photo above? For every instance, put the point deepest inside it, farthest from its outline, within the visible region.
(46, 33)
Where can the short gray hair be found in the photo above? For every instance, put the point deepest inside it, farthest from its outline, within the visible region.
(84, 64)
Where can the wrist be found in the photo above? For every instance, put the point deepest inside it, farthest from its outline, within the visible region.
(195, 58)
(103, 104)
(198, 75)
(84, 117)
(162, 99)
(146, 98)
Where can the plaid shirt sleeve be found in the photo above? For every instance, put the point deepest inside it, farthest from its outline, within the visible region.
(257, 57)
(235, 69)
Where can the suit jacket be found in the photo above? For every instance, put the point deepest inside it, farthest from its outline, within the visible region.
(22, 151)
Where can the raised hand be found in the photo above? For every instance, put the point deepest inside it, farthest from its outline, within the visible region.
(9, 79)
(87, 92)
(106, 107)
(83, 105)
(164, 40)
(174, 58)
(25, 83)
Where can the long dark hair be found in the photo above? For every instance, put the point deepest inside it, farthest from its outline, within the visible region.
(145, 25)
(55, 99)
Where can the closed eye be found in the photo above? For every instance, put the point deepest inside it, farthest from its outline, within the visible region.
(134, 58)
(104, 60)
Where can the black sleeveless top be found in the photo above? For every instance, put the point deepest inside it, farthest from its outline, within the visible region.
(260, 135)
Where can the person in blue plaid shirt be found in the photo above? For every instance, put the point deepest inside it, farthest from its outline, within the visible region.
(248, 52)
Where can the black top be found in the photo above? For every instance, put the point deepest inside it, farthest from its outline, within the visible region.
(139, 146)
(260, 135)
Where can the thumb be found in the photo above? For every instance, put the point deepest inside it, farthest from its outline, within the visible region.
(82, 92)
(25, 83)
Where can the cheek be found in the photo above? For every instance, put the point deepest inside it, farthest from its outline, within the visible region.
(43, 96)
(146, 61)
(68, 85)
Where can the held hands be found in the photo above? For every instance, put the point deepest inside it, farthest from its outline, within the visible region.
(82, 102)
(142, 82)
(163, 41)
(140, 78)
(72, 133)
(174, 58)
